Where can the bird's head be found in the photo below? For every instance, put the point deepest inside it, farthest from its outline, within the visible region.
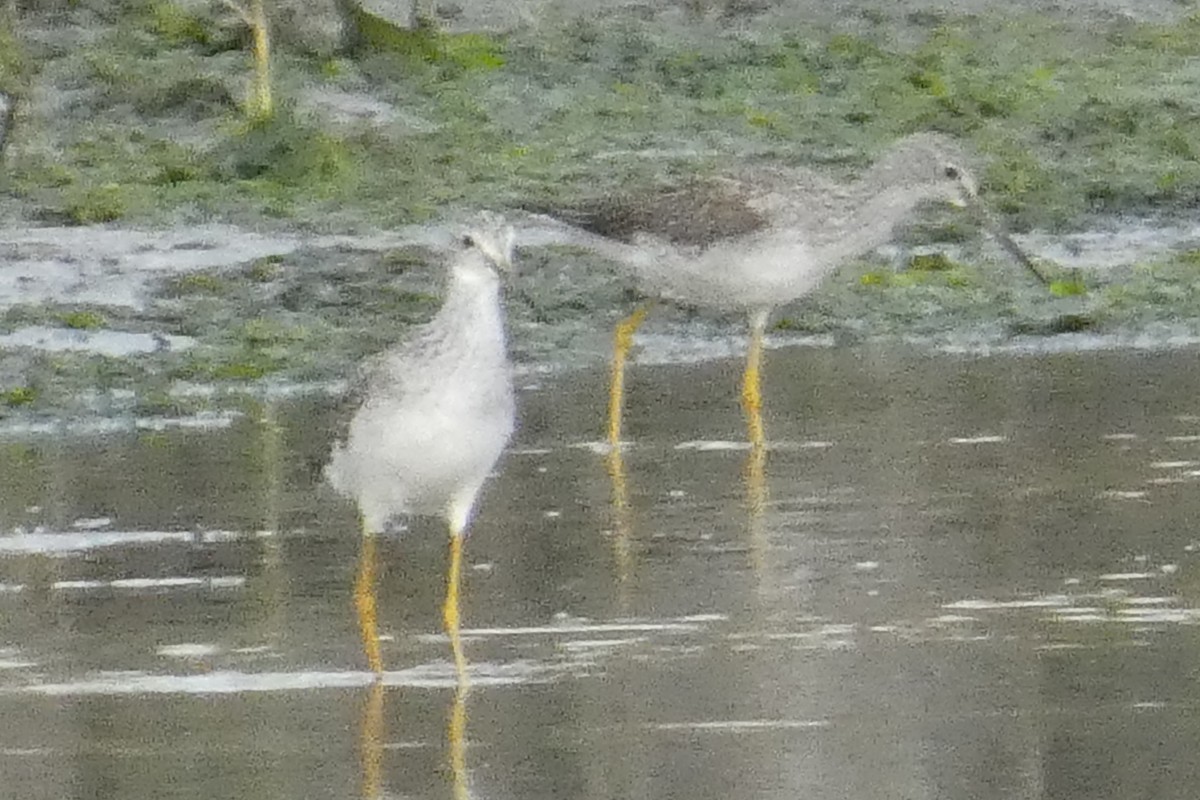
(493, 236)
(935, 166)
(932, 165)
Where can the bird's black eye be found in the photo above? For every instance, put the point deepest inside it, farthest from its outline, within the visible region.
(952, 172)
(468, 240)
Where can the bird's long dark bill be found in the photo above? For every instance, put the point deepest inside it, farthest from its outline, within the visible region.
(1019, 255)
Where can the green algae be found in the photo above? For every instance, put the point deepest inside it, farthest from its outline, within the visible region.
(1073, 118)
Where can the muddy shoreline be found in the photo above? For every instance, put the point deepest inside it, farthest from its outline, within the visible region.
(206, 259)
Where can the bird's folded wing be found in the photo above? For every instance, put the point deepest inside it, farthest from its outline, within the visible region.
(695, 214)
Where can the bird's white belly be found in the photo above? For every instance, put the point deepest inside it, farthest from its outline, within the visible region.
(414, 460)
(764, 274)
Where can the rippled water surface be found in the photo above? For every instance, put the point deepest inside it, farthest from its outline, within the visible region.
(954, 577)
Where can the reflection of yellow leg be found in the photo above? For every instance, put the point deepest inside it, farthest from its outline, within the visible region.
(756, 480)
(621, 525)
(456, 732)
(372, 743)
(456, 739)
(364, 602)
(756, 502)
(622, 341)
(752, 382)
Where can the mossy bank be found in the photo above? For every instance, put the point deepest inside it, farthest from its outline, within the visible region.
(132, 115)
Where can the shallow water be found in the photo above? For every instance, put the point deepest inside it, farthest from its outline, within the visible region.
(966, 577)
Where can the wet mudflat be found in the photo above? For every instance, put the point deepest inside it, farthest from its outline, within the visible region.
(953, 577)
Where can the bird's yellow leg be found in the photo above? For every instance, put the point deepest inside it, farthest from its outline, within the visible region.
(622, 341)
(364, 601)
(752, 383)
(456, 730)
(450, 609)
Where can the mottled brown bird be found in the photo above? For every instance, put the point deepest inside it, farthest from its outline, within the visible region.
(758, 239)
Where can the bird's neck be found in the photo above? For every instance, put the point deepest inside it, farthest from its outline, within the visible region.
(868, 224)
(474, 296)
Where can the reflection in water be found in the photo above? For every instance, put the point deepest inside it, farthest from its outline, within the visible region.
(622, 524)
(371, 743)
(270, 456)
(754, 479)
(456, 728)
(270, 462)
(983, 586)
(754, 474)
